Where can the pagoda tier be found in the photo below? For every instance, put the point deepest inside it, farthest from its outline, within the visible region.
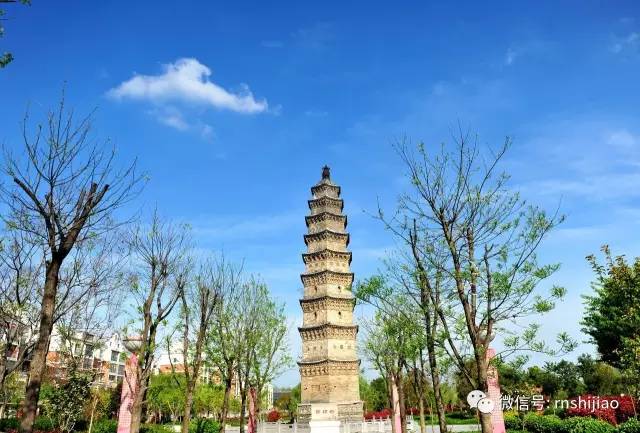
(329, 365)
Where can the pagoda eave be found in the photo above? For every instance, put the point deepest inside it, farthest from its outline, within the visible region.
(308, 257)
(326, 233)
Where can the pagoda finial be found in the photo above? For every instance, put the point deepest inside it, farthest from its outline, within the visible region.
(326, 172)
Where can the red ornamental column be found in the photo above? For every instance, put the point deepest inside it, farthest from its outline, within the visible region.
(252, 426)
(493, 392)
(129, 389)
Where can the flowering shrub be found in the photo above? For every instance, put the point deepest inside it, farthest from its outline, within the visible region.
(613, 409)
(273, 416)
(384, 413)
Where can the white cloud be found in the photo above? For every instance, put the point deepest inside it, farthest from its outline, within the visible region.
(510, 56)
(631, 42)
(173, 119)
(188, 81)
(622, 139)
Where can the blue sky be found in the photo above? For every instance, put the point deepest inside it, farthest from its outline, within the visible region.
(232, 110)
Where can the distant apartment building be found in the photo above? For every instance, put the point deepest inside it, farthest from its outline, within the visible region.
(105, 356)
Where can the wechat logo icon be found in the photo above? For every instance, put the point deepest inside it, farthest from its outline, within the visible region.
(479, 400)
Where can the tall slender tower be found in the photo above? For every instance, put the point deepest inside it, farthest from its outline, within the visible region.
(329, 367)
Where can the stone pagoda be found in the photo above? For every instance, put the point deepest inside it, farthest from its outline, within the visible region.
(329, 366)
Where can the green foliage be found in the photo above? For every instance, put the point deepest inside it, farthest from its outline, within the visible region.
(7, 58)
(586, 425)
(512, 421)
(66, 403)
(7, 424)
(166, 393)
(611, 314)
(105, 426)
(204, 425)
(535, 423)
(155, 428)
(43, 423)
(600, 378)
(631, 426)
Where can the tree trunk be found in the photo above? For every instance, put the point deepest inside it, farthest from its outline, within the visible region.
(402, 404)
(437, 392)
(93, 411)
(243, 406)
(483, 384)
(421, 408)
(39, 357)
(485, 423)
(225, 404)
(188, 403)
(136, 411)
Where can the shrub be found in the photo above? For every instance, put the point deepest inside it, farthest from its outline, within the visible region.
(105, 426)
(204, 425)
(586, 425)
(512, 421)
(9, 424)
(155, 428)
(542, 423)
(613, 409)
(273, 416)
(382, 414)
(631, 426)
(459, 414)
(43, 423)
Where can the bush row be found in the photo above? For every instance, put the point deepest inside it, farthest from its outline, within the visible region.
(44, 425)
(534, 423)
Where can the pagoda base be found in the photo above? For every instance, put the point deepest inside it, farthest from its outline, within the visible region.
(343, 411)
(326, 426)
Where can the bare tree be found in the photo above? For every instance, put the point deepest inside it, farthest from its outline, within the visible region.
(161, 272)
(474, 243)
(224, 342)
(64, 190)
(264, 351)
(199, 304)
(20, 281)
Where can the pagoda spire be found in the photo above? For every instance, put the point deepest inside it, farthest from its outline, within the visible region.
(329, 365)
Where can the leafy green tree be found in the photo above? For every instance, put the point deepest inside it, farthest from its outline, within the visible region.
(599, 378)
(67, 400)
(612, 314)
(568, 375)
(165, 395)
(378, 391)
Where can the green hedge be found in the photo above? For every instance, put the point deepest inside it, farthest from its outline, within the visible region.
(105, 426)
(9, 424)
(204, 425)
(534, 423)
(631, 426)
(512, 421)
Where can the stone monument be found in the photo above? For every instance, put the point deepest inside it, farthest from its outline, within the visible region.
(329, 366)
